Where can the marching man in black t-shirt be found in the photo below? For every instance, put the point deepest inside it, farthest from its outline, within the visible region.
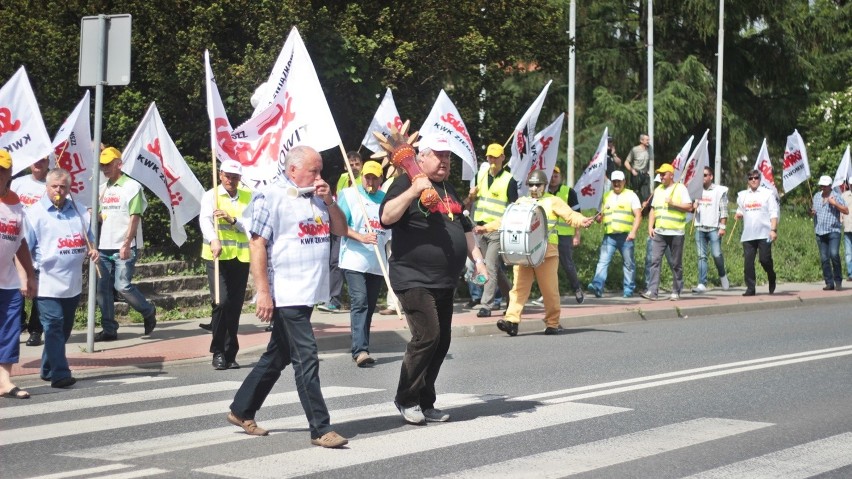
(428, 250)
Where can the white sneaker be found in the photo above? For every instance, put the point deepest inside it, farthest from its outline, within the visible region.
(699, 289)
(435, 415)
(674, 297)
(412, 415)
(539, 301)
(726, 285)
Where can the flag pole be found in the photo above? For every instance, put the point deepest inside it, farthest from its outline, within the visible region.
(508, 140)
(216, 295)
(731, 234)
(376, 250)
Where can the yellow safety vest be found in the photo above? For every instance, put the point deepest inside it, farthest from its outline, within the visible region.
(617, 218)
(665, 218)
(562, 228)
(492, 200)
(235, 244)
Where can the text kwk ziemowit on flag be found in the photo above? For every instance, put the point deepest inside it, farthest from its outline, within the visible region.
(796, 168)
(73, 151)
(152, 158)
(590, 186)
(445, 119)
(22, 131)
(523, 146)
(386, 117)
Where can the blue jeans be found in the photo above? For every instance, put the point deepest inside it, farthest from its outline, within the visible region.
(701, 240)
(57, 319)
(117, 273)
(829, 255)
(291, 341)
(611, 243)
(847, 248)
(363, 294)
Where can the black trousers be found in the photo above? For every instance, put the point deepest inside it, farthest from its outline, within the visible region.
(763, 249)
(225, 322)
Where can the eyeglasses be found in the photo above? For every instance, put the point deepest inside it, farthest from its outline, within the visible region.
(753, 178)
(535, 185)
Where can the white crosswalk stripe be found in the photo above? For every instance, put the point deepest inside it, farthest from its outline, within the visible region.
(84, 472)
(798, 462)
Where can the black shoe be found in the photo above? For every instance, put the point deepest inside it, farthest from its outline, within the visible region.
(34, 339)
(471, 304)
(206, 326)
(827, 288)
(150, 323)
(748, 293)
(552, 331)
(771, 286)
(484, 313)
(508, 327)
(233, 365)
(105, 336)
(63, 383)
(268, 328)
(219, 362)
(580, 296)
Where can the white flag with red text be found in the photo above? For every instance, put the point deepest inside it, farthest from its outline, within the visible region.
(152, 159)
(445, 119)
(844, 170)
(73, 151)
(523, 146)
(693, 172)
(796, 168)
(590, 186)
(764, 166)
(546, 150)
(220, 127)
(22, 131)
(679, 161)
(386, 117)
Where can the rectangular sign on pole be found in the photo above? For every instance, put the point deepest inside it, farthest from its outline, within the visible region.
(116, 50)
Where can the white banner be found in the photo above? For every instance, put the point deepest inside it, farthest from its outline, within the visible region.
(152, 158)
(22, 131)
(445, 119)
(220, 127)
(546, 150)
(523, 146)
(73, 151)
(590, 186)
(679, 162)
(386, 117)
(844, 170)
(764, 166)
(693, 173)
(796, 168)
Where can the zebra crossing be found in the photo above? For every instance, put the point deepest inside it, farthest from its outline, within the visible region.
(152, 446)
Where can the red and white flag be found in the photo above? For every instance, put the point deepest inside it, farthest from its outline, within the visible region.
(590, 186)
(764, 166)
(292, 112)
(546, 150)
(152, 158)
(73, 151)
(523, 146)
(22, 131)
(796, 168)
(693, 172)
(844, 170)
(220, 128)
(445, 119)
(679, 162)
(386, 117)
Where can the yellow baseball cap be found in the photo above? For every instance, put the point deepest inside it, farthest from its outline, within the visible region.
(495, 150)
(5, 159)
(372, 168)
(557, 170)
(109, 154)
(665, 168)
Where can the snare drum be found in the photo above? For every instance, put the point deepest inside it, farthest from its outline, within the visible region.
(523, 234)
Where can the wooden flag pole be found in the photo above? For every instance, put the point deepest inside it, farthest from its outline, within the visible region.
(216, 297)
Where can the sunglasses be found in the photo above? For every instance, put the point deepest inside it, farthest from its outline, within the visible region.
(753, 178)
(535, 185)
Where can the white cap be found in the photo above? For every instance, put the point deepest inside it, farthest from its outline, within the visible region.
(435, 142)
(617, 175)
(231, 166)
(824, 180)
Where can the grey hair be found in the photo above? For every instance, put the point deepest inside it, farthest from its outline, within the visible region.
(59, 174)
(643, 135)
(422, 154)
(297, 155)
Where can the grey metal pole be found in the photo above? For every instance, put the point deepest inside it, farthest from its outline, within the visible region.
(96, 171)
(719, 63)
(572, 34)
(651, 87)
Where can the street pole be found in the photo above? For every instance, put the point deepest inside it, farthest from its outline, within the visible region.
(651, 167)
(719, 63)
(572, 34)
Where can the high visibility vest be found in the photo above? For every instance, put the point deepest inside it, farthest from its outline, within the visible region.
(562, 228)
(235, 244)
(665, 217)
(617, 216)
(492, 200)
(544, 202)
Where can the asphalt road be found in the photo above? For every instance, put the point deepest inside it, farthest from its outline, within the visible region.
(760, 395)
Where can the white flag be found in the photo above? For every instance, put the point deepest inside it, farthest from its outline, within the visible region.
(444, 118)
(693, 173)
(764, 166)
(844, 170)
(546, 150)
(386, 117)
(679, 162)
(523, 145)
(796, 168)
(152, 158)
(73, 151)
(22, 131)
(590, 186)
(220, 127)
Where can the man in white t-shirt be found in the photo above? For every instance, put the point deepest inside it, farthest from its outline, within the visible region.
(30, 189)
(121, 204)
(758, 210)
(711, 217)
